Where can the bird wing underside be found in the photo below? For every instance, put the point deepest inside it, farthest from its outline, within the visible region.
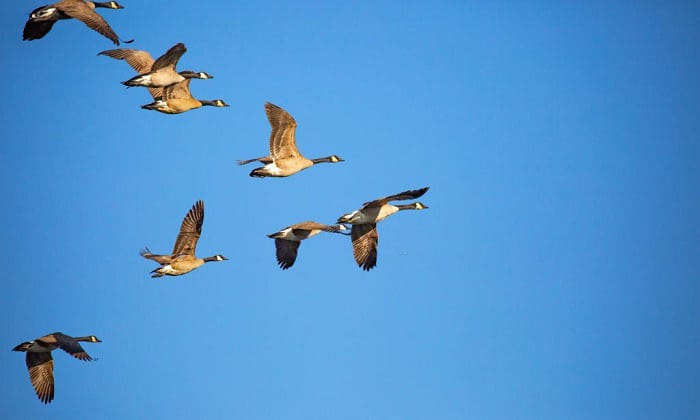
(365, 239)
(286, 252)
(40, 365)
(36, 30)
(282, 138)
(139, 60)
(190, 230)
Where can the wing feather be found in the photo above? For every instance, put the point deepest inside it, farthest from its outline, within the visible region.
(405, 195)
(286, 252)
(40, 365)
(191, 228)
(84, 13)
(365, 240)
(282, 138)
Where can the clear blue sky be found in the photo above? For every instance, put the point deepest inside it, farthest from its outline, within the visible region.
(555, 275)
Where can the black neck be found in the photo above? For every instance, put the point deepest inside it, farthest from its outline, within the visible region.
(406, 207)
(321, 160)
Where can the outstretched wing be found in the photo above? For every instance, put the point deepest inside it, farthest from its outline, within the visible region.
(170, 58)
(81, 11)
(36, 30)
(71, 346)
(282, 142)
(190, 230)
(406, 195)
(286, 252)
(40, 365)
(364, 245)
(139, 60)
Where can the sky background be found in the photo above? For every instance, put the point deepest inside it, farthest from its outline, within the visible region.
(555, 274)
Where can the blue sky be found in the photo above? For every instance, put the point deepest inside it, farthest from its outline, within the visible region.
(554, 276)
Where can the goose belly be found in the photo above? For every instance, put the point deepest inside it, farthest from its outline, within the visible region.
(386, 211)
(160, 79)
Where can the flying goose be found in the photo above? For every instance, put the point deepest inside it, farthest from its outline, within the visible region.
(40, 362)
(155, 74)
(177, 99)
(182, 259)
(364, 235)
(41, 19)
(284, 158)
(287, 240)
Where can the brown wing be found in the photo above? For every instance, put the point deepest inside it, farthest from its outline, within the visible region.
(190, 230)
(40, 365)
(71, 346)
(286, 252)
(406, 195)
(81, 11)
(282, 142)
(170, 58)
(364, 245)
(177, 91)
(313, 226)
(139, 60)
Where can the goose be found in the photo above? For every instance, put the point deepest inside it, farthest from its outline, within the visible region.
(41, 19)
(177, 99)
(284, 158)
(364, 235)
(182, 259)
(155, 73)
(287, 240)
(40, 362)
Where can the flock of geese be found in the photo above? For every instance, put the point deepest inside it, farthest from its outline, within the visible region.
(170, 91)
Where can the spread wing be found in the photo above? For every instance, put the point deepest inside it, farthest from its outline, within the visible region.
(40, 365)
(286, 252)
(170, 58)
(177, 91)
(71, 346)
(81, 11)
(282, 142)
(36, 30)
(364, 245)
(406, 195)
(313, 226)
(190, 230)
(139, 60)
